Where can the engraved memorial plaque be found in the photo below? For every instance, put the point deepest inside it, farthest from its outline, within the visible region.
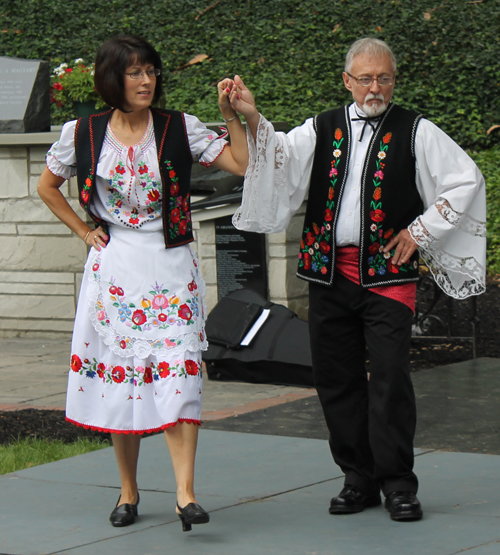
(24, 95)
(241, 259)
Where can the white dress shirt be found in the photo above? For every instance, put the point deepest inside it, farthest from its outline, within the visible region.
(451, 233)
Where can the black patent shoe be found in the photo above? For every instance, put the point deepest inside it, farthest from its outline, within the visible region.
(192, 513)
(352, 500)
(124, 514)
(403, 505)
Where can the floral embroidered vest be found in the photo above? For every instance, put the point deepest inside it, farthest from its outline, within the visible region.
(172, 145)
(389, 197)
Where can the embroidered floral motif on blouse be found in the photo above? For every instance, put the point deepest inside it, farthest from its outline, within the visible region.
(134, 191)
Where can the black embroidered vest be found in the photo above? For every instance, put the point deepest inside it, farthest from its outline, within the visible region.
(389, 197)
(174, 160)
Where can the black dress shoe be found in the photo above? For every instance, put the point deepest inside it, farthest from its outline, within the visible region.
(192, 513)
(403, 505)
(352, 500)
(124, 514)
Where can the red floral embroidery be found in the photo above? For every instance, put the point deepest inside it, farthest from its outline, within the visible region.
(377, 215)
(310, 238)
(164, 369)
(192, 368)
(138, 375)
(315, 250)
(85, 194)
(154, 195)
(148, 375)
(185, 312)
(118, 374)
(156, 309)
(324, 247)
(180, 215)
(175, 215)
(76, 363)
(100, 369)
(378, 261)
(307, 261)
(138, 317)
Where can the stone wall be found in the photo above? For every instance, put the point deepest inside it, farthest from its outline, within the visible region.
(41, 260)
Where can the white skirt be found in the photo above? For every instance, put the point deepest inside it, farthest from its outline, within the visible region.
(138, 336)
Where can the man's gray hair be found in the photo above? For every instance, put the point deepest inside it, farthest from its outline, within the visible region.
(374, 47)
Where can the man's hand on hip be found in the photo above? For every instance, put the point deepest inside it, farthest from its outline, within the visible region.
(405, 247)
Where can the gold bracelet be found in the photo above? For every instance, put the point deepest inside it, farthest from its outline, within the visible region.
(85, 238)
(230, 119)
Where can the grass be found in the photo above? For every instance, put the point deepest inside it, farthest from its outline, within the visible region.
(25, 453)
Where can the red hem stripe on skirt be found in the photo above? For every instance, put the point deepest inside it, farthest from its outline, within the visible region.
(136, 432)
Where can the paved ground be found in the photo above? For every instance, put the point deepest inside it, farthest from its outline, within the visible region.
(267, 491)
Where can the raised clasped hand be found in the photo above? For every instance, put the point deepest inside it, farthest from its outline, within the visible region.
(235, 96)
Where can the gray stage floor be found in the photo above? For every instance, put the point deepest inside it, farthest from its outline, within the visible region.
(266, 495)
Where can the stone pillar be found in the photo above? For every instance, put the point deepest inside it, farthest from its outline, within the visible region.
(284, 286)
(205, 248)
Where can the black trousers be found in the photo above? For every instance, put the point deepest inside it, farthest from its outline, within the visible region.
(371, 422)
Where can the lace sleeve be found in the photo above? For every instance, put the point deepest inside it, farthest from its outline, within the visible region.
(277, 177)
(451, 234)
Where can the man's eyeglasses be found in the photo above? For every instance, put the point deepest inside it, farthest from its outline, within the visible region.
(140, 74)
(383, 81)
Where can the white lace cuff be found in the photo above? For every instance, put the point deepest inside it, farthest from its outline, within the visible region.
(456, 258)
(265, 207)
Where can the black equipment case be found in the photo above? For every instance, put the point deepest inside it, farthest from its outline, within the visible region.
(278, 354)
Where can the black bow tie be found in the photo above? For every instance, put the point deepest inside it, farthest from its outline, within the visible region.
(372, 121)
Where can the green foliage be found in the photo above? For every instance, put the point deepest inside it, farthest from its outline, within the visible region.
(289, 52)
(28, 452)
(488, 162)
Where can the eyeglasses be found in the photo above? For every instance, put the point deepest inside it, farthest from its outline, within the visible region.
(383, 81)
(140, 74)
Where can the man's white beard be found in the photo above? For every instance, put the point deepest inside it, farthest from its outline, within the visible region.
(373, 110)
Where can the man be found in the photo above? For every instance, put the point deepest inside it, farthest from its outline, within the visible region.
(381, 182)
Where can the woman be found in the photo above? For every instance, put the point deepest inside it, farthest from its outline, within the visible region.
(139, 328)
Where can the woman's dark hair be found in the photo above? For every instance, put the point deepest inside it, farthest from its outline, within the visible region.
(111, 62)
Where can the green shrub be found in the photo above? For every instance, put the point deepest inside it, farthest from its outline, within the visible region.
(488, 162)
(290, 52)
